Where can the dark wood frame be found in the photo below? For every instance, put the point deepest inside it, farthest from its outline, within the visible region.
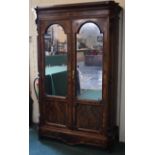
(62, 118)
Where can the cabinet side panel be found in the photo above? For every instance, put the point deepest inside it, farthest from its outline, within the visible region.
(114, 69)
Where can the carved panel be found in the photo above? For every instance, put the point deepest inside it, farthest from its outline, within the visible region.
(56, 112)
(88, 117)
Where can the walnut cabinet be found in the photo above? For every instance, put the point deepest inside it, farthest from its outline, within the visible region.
(78, 65)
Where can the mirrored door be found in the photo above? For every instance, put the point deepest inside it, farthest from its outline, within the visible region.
(55, 48)
(89, 60)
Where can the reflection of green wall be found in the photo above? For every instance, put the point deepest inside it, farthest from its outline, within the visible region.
(60, 83)
(56, 60)
(56, 84)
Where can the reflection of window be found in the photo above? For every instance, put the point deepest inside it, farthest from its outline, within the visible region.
(89, 37)
(55, 40)
(47, 38)
(100, 38)
(62, 47)
(82, 45)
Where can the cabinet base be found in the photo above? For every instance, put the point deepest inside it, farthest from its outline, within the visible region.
(74, 137)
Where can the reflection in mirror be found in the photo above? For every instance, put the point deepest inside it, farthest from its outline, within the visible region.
(89, 62)
(55, 61)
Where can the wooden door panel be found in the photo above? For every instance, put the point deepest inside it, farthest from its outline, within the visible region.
(56, 113)
(88, 117)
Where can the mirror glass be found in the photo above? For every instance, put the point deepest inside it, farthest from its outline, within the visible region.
(55, 41)
(89, 62)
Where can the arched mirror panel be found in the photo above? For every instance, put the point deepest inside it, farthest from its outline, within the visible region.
(89, 60)
(55, 48)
